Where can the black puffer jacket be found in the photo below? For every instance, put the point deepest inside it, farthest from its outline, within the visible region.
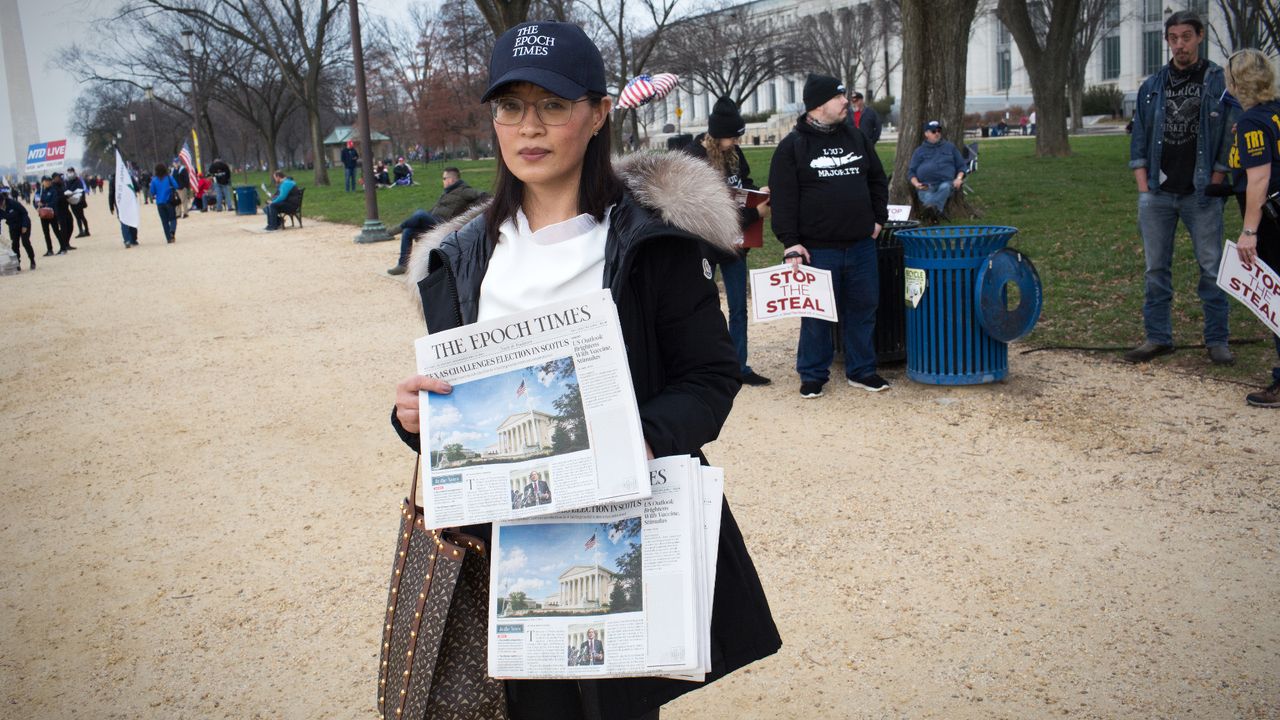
(685, 376)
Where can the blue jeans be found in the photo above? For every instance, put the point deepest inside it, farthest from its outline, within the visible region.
(273, 216)
(935, 196)
(130, 234)
(418, 223)
(222, 196)
(856, 282)
(349, 178)
(734, 275)
(168, 219)
(1158, 215)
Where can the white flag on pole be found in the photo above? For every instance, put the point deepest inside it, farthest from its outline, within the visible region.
(126, 194)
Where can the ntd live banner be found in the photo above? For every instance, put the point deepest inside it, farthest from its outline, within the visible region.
(46, 156)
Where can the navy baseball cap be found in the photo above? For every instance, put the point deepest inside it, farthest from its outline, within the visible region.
(558, 57)
(933, 125)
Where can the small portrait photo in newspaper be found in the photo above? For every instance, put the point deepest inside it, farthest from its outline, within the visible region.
(569, 569)
(525, 414)
(531, 488)
(586, 645)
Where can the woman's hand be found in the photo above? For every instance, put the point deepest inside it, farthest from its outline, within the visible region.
(764, 209)
(407, 399)
(1247, 247)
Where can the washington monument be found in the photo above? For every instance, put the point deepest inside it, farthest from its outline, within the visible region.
(22, 107)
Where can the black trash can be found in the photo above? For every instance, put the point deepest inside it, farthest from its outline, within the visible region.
(891, 314)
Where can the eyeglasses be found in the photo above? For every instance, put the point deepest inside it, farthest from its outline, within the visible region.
(550, 110)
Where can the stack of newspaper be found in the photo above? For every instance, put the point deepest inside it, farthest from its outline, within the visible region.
(603, 564)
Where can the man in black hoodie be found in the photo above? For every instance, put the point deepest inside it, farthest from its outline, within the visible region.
(830, 199)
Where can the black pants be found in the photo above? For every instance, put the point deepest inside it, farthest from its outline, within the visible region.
(22, 236)
(82, 225)
(45, 224)
(65, 224)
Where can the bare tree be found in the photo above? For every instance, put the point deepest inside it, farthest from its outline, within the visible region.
(298, 35)
(126, 60)
(834, 42)
(748, 51)
(888, 24)
(251, 88)
(408, 55)
(935, 48)
(1042, 49)
(503, 14)
(633, 30)
(1098, 18)
(1248, 23)
(459, 77)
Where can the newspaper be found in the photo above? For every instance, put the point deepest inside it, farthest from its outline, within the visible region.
(616, 590)
(542, 417)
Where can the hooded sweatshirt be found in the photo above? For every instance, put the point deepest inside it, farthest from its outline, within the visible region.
(828, 189)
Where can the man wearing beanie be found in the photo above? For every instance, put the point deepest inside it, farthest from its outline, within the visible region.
(830, 199)
(719, 147)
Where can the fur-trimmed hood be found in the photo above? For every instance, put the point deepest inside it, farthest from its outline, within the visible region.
(682, 192)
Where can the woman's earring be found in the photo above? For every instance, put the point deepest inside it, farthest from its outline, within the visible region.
(595, 133)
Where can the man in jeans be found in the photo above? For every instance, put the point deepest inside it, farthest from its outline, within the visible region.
(220, 171)
(1179, 147)
(350, 166)
(830, 199)
(456, 199)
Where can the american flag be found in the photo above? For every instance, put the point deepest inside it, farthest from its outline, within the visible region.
(184, 155)
(522, 389)
(591, 542)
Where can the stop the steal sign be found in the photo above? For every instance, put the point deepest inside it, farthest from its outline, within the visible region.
(783, 291)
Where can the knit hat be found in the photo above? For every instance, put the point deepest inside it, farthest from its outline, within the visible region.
(725, 120)
(820, 88)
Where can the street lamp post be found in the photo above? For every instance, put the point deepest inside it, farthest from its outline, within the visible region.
(188, 45)
(151, 100)
(373, 230)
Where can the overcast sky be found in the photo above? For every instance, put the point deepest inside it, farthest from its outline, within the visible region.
(53, 25)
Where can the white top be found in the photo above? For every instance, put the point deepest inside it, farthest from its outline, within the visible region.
(556, 263)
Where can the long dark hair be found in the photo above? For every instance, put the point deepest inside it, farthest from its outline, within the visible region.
(598, 188)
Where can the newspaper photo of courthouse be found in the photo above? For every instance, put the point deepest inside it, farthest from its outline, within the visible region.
(564, 569)
(541, 416)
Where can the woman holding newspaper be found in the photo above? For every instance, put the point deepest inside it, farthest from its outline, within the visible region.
(1252, 80)
(564, 221)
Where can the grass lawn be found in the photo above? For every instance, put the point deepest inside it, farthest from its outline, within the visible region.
(1077, 220)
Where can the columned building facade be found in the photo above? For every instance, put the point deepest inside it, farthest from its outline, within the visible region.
(525, 432)
(585, 586)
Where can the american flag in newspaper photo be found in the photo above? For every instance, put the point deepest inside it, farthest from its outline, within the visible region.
(545, 569)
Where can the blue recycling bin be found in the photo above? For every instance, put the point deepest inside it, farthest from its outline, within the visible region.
(946, 340)
(246, 200)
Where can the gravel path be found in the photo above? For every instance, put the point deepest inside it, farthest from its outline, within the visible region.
(200, 489)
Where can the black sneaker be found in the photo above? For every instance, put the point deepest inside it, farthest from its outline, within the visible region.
(397, 270)
(1269, 398)
(754, 378)
(870, 383)
(811, 389)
